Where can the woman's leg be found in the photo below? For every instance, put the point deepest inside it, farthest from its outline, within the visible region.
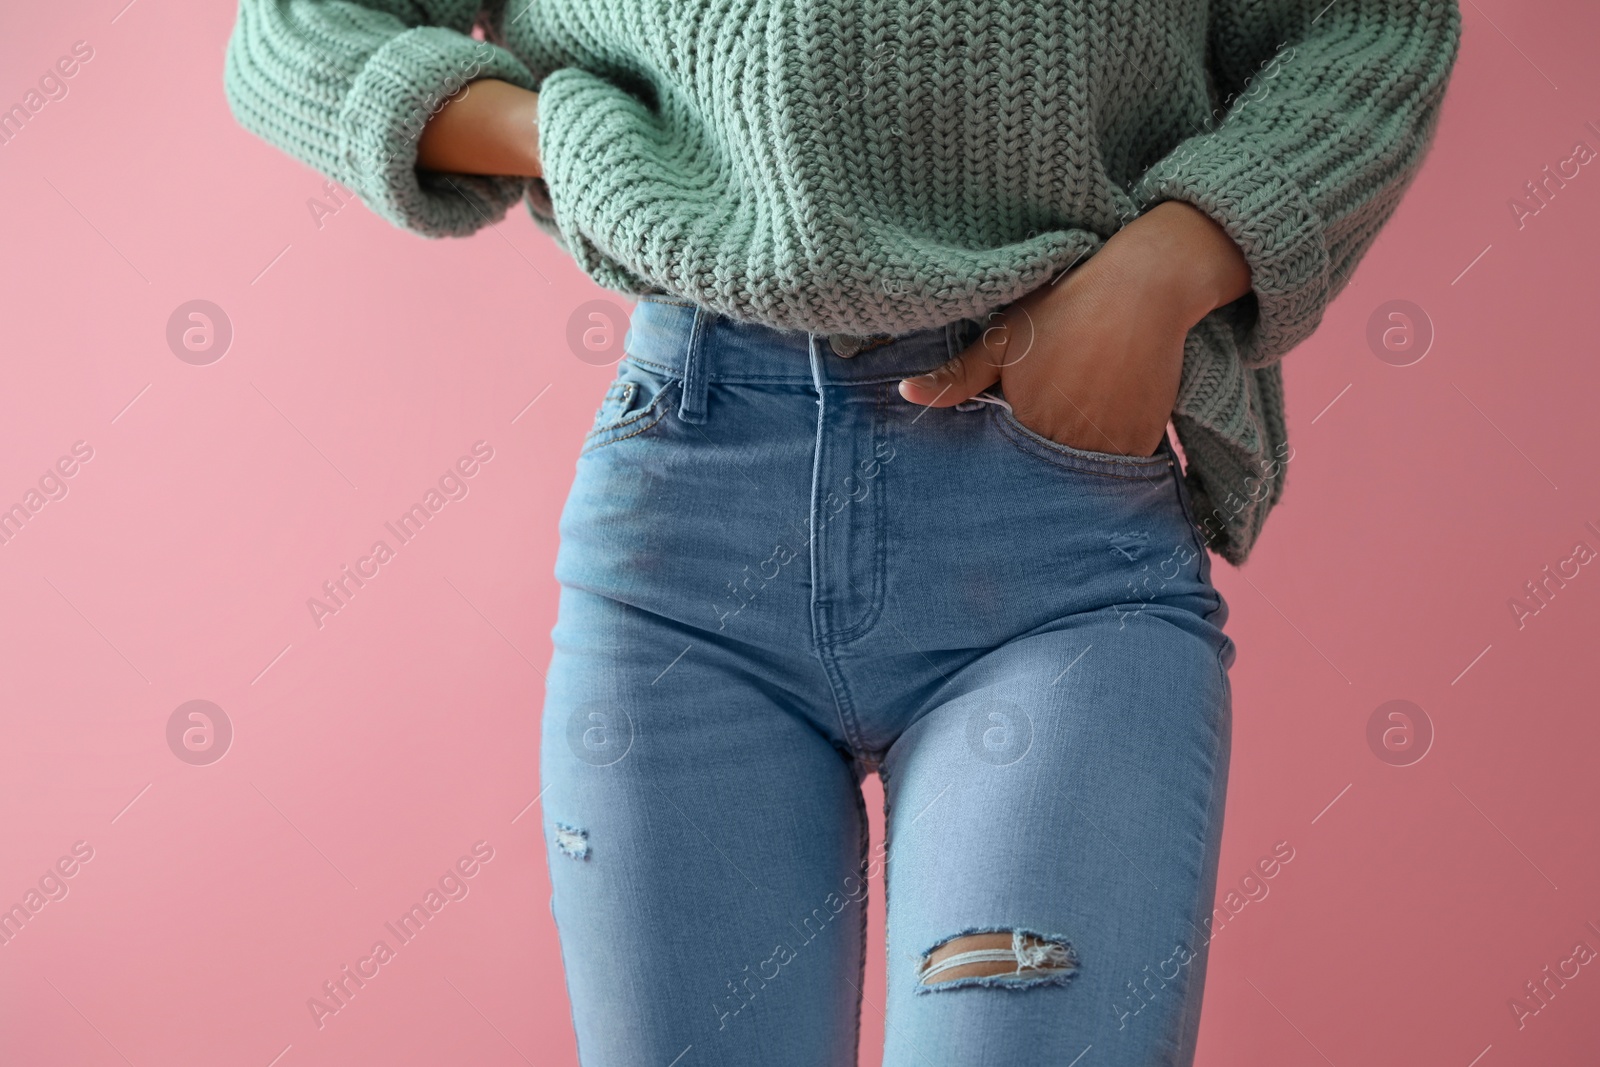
(1063, 797)
(705, 829)
(705, 848)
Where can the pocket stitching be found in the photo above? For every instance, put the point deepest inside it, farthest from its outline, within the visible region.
(590, 443)
(623, 392)
(1139, 468)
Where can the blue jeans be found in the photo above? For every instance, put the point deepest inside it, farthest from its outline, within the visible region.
(777, 576)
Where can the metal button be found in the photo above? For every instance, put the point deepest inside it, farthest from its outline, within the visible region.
(844, 345)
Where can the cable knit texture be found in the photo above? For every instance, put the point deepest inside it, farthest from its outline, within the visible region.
(882, 166)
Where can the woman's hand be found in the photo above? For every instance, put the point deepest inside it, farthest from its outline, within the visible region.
(1094, 360)
(489, 127)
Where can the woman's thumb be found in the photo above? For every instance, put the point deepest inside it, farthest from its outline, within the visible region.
(968, 373)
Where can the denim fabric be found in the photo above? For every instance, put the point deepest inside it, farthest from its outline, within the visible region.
(777, 576)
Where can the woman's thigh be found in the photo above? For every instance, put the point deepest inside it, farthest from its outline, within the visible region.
(1069, 785)
(705, 845)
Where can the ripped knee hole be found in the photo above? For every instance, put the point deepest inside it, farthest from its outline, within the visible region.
(998, 957)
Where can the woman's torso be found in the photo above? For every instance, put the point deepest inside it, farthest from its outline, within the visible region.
(858, 167)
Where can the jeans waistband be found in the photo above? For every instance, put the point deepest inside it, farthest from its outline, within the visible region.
(699, 346)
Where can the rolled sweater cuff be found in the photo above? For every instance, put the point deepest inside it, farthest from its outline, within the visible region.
(1273, 222)
(590, 136)
(399, 88)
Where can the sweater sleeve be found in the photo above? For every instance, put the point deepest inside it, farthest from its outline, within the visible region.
(1327, 109)
(346, 88)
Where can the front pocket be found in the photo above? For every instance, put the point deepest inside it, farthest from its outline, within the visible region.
(633, 404)
(1105, 464)
(615, 405)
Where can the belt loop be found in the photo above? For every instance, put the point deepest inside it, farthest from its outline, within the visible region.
(692, 408)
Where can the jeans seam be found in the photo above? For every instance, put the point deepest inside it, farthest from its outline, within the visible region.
(1192, 1000)
(1194, 536)
(561, 948)
(657, 298)
(843, 699)
(865, 840)
(884, 774)
(880, 547)
(822, 641)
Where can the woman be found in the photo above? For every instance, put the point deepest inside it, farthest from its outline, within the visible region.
(884, 483)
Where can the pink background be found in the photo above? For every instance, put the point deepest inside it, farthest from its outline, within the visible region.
(371, 753)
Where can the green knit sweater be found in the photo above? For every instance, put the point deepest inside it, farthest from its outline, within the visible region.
(879, 166)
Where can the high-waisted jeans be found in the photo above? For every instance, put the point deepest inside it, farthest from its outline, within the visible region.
(777, 576)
